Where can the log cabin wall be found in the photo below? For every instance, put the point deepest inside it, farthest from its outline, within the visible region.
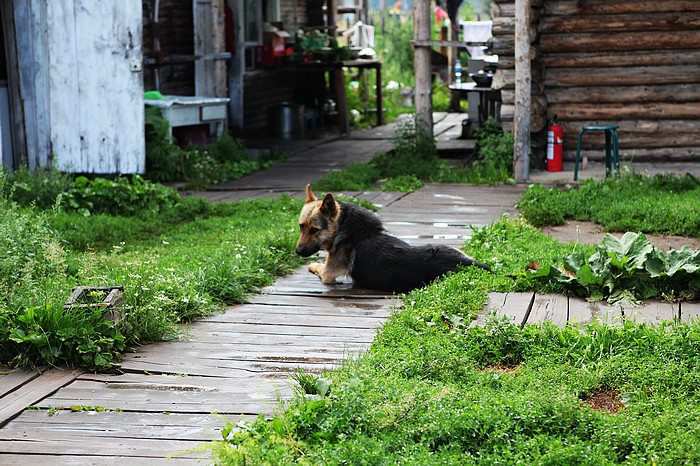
(166, 45)
(632, 63)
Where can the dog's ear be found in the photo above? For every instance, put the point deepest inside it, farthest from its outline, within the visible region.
(329, 208)
(310, 196)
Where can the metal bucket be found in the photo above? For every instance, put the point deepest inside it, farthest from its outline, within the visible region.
(287, 120)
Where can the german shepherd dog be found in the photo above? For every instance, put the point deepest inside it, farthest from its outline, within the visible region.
(358, 245)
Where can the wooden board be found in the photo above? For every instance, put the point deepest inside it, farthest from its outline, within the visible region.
(15, 379)
(690, 311)
(653, 312)
(552, 308)
(514, 306)
(34, 390)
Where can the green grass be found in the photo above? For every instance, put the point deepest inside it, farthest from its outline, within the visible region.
(430, 390)
(181, 261)
(414, 160)
(662, 204)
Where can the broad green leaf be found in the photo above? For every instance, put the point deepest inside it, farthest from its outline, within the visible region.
(574, 261)
(637, 248)
(655, 266)
(685, 259)
(586, 277)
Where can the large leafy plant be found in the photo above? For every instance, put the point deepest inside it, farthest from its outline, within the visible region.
(627, 269)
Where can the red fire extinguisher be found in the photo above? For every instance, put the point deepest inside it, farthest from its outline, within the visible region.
(555, 141)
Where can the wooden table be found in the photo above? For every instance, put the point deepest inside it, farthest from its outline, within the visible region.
(489, 99)
(337, 73)
(192, 110)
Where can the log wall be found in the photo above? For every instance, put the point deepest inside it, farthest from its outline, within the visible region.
(172, 37)
(632, 63)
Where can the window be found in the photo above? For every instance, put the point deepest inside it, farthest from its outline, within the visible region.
(252, 22)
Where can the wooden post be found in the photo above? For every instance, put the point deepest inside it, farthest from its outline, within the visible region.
(236, 70)
(421, 60)
(523, 83)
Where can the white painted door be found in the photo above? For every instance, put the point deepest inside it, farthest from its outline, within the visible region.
(96, 85)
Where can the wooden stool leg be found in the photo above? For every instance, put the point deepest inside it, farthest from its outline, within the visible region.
(608, 153)
(616, 153)
(578, 154)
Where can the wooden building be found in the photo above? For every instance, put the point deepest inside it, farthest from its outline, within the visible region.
(212, 48)
(632, 63)
(71, 92)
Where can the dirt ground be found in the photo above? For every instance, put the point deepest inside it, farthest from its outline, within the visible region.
(591, 233)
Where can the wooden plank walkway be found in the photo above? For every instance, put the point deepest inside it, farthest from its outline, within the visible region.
(534, 308)
(237, 363)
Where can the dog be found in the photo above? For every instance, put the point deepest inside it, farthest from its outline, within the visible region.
(358, 246)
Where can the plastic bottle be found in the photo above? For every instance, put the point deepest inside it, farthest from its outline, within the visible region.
(458, 72)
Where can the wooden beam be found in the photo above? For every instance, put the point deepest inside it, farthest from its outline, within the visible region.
(421, 60)
(523, 84)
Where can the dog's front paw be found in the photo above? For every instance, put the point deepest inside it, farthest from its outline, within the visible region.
(317, 269)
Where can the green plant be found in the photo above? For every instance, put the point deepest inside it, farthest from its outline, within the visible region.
(495, 154)
(402, 183)
(354, 177)
(40, 188)
(121, 196)
(199, 167)
(627, 269)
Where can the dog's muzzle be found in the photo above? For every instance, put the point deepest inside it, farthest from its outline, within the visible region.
(305, 251)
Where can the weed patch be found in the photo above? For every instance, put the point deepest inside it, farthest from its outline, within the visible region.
(414, 160)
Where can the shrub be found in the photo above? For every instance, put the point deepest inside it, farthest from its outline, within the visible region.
(122, 196)
(40, 187)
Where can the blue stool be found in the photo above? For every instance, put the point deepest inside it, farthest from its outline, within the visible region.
(612, 156)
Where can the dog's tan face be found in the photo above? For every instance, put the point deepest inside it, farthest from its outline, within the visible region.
(318, 224)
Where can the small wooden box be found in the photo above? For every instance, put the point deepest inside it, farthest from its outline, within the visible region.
(109, 298)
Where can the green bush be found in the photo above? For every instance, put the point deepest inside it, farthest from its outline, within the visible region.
(40, 188)
(122, 196)
(30, 250)
(198, 167)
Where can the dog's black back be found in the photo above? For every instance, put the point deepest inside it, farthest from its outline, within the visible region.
(380, 261)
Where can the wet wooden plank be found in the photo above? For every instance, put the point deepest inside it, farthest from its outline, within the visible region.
(690, 311)
(263, 329)
(123, 424)
(514, 306)
(221, 368)
(287, 319)
(298, 354)
(14, 379)
(584, 312)
(330, 310)
(33, 391)
(552, 308)
(281, 340)
(83, 450)
(652, 312)
(149, 401)
(59, 460)
(427, 217)
(364, 306)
